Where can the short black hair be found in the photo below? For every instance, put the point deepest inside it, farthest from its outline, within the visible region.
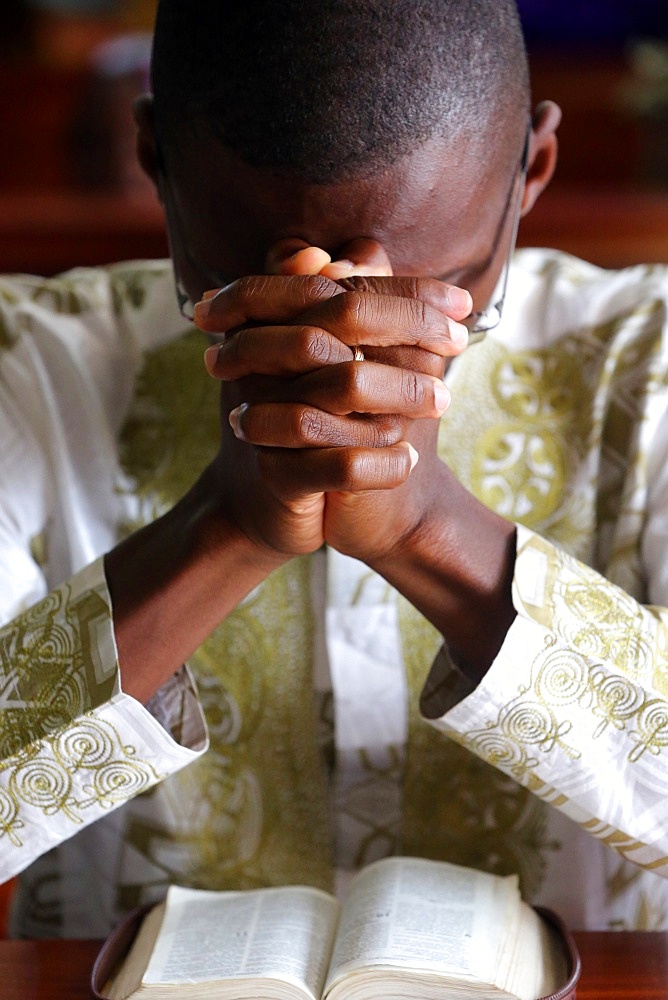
(326, 90)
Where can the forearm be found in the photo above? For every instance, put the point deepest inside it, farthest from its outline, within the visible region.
(174, 581)
(456, 567)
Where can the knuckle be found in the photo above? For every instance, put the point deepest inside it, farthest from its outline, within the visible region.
(358, 283)
(310, 425)
(315, 344)
(413, 319)
(413, 288)
(352, 308)
(421, 314)
(338, 469)
(396, 467)
(304, 289)
(387, 430)
(412, 389)
(317, 286)
(426, 288)
(355, 469)
(360, 469)
(353, 389)
(312, 290)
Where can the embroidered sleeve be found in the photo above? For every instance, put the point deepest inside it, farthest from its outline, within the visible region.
(72, 745)
(575, 707)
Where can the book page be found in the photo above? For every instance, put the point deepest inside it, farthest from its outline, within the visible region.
(419, 914)
(283, 933)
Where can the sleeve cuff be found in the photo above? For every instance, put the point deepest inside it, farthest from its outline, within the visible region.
(570, 707)
(78, 747)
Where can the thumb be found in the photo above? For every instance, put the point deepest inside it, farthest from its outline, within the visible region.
(360, 256)
(295, 256)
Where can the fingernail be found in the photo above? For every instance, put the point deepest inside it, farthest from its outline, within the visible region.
(460, 300)
(441, 396)
(202, 309)
(459, 335)
(211, 356)
(339, 269)
(414, 456)
(234, 419)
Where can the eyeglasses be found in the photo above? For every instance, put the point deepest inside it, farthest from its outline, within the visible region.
(205, 276)
(478, 323)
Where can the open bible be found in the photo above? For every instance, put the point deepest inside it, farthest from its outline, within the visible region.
(409, 927)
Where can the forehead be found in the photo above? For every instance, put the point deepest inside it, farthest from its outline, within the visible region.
(438, 205)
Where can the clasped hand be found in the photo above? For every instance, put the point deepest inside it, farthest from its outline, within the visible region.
(315, 446)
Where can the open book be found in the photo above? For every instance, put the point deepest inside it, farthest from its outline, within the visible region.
(409, 927)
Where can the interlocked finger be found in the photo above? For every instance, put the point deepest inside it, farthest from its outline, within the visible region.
(294, 473)
(277, 298)
(367, 387)
(299, 426)
(275, 350)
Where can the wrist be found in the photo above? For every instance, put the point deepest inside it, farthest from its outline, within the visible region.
(216, 530)
(456, 566)
(174, 581)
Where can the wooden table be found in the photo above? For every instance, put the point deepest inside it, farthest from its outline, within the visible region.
(622, 966)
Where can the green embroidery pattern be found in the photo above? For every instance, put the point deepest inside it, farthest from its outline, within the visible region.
(529, 721)
(539, 438)
(171, 433)
(456, 806)
(50, 764)
(64, 297)
(245, 816)
(56, 634)
(579, 608)
(67, 773)
(130, 286)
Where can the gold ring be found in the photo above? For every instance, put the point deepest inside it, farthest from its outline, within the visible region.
(358, 354)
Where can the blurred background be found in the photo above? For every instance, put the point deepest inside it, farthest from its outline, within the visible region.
(71, 193)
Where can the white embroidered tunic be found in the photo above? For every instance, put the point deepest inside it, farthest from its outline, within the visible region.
(558, 421)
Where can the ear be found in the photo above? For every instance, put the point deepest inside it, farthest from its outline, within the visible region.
(543, 147)
(147, 149)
